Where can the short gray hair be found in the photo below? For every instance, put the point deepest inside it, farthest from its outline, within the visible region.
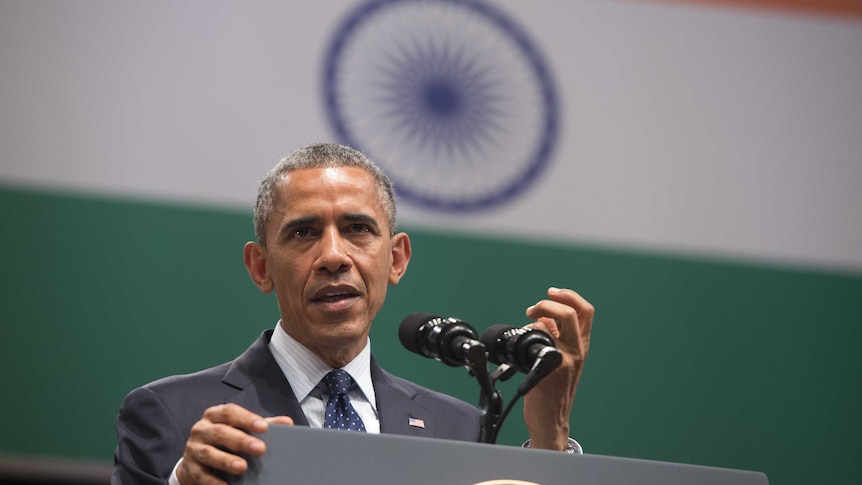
(320, 155)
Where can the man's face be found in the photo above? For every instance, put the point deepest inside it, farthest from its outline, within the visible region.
(329, 258)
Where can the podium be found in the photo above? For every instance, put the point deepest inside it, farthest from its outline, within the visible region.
(297, 454)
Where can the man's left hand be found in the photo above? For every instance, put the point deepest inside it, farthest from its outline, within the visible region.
(568, 318)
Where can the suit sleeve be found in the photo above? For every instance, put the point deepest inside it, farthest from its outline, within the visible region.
(149, 440)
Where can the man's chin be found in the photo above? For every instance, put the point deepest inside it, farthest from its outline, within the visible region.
(339, 349)
(340, 330)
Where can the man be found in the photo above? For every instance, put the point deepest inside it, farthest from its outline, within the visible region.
(327, 245)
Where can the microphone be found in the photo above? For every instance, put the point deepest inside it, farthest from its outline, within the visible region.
(448, 340)
(521, 348)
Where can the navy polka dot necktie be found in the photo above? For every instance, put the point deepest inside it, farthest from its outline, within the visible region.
(339, 412)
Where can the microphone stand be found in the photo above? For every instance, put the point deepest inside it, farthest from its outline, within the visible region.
(490, 399)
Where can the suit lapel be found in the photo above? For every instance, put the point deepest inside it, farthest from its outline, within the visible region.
(261, 384)
(396, 406)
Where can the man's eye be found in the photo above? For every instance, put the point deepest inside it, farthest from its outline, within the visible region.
(302, 233)
(358, 228)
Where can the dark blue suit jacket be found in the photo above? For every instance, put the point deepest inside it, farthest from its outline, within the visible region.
(155, 420)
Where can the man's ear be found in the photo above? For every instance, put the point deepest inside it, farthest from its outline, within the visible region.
(400, 257)
(255, 262)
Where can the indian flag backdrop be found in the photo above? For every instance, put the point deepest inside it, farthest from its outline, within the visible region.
(692, 168)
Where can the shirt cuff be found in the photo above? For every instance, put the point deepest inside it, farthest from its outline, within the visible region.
(572, 446)
(174, 480)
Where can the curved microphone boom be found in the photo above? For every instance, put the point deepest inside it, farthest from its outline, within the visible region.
(448, 340)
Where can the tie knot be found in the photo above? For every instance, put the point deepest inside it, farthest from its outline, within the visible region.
(338, 381)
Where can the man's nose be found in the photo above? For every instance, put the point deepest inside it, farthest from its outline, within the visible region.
(333, 257)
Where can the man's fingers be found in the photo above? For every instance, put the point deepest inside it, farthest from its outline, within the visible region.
(280, 420)
(225, 436)
(564, 306)
(547, 325)
(193, 473)
(207, 456)
(567, 316)
(205, 452)
(236, 416)
(585, 310)
(223, 433)
(216, 440)
(560, 319)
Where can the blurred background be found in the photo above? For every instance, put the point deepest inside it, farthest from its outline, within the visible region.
(690, 167)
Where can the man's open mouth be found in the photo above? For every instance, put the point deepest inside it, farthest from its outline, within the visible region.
(333, 297)
(334, 294)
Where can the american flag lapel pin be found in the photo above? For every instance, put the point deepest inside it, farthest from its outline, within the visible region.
(416, 423)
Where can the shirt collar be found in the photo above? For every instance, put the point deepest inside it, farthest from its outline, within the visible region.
(304, 370)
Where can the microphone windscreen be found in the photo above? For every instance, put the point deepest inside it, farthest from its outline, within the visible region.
(408, 332)
(492, 339)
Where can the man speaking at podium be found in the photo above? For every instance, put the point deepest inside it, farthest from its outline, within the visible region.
(327, 245)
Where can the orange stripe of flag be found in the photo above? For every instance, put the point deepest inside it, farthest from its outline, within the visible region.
(841, 8)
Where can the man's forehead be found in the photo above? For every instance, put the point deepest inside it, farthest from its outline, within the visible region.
(347, 189)
(331, 177)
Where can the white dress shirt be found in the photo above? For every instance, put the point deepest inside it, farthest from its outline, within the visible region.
(305, 371)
